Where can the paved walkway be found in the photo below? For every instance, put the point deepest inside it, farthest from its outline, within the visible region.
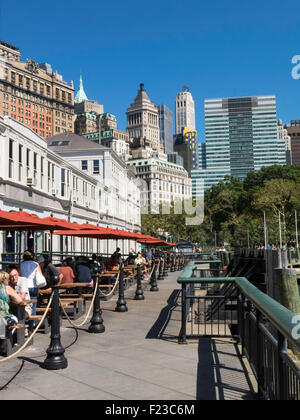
(137, 358)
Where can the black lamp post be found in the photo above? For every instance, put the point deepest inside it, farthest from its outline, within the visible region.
(96, 326)
(153, 281)
(165, 272)
(139, 295)
(160, 271)
(55, 354)
(121, 303)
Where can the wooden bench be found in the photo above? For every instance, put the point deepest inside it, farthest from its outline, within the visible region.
(34, 321)
(75, 302)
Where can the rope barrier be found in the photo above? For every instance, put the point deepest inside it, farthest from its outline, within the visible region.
(32, 335)
(88, 313)
(68, 318)
(113, 289)
(151, 271)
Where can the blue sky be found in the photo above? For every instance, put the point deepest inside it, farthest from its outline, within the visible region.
(218, 48)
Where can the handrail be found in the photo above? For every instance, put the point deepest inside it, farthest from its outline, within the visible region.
(281, 317)
(188, 272)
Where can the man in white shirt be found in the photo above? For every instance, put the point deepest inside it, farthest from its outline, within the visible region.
(20, 284)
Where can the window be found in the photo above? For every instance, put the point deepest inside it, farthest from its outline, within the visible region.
(63, 182)
(35, 166)
(42, 172)
(96, 167)
(49, 176)
(27, 162)
(84, 165)
(20, 80)
(20, 162)
(13, 77)
(41, 89)
(27, 83)
(11, 152)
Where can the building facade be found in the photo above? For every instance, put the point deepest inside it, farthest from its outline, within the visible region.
(175, 158)
(165, 119)
(186, 145)
(34, 95)
(118, 191)
(282, 134)
(241, 136)
(34, 178)
(143, 120)
(184, 111)
(107, 134)
(293, 130)
(162, 182)
(86, 123)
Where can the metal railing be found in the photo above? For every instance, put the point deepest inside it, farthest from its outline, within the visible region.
(231, 306)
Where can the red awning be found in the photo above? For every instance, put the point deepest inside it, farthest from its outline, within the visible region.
(21, 220)
(100, 233)
(59, 224)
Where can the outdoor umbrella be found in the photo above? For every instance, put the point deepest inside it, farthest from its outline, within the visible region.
(58, 224)
(22, 221)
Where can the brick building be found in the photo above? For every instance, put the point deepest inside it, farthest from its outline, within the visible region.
(34, 95)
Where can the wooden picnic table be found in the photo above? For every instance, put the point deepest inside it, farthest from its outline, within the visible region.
(74, 285)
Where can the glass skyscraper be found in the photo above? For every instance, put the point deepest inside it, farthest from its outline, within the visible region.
(166, 128)
(241, 136)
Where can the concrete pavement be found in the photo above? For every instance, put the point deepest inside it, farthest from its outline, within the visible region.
(137, 358)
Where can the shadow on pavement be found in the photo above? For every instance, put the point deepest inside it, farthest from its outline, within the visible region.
(221, 375)
(159, 330)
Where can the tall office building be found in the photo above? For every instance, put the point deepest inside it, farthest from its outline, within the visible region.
(185, 144)
(34, 95)
(142, 119)
(241, 136)
(165, 121)
(293, 131)
(184, 111)
(282, 134)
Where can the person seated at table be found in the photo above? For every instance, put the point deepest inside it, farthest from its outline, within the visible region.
(19, 284)
(67, 272)
(96, 262)
(113, 263)
(116, 253)
(7, 295)
(28, 269)
(82, 271)
(131, 257)
(49, 271)
(140, 260)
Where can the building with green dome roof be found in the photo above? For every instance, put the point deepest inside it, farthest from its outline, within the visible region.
(80, 95)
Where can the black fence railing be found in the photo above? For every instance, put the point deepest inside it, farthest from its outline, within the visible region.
(266, 331)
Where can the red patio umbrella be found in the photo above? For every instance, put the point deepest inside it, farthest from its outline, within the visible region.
(100, 233)
(22, 221)
(58, 224)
